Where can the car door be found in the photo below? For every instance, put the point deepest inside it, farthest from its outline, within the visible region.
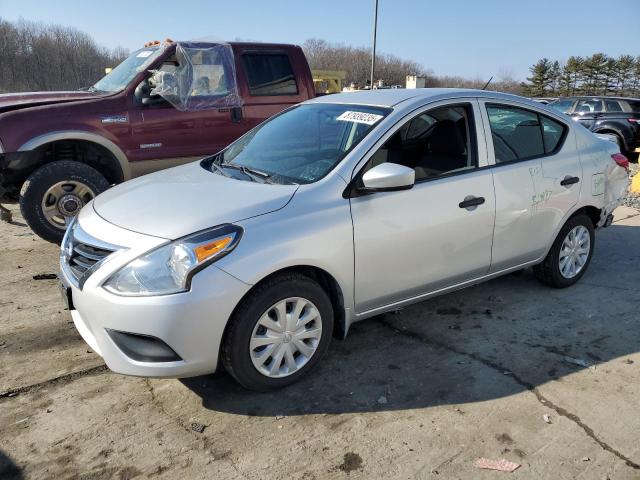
(411, 242)
(531, 154)
(587, 111)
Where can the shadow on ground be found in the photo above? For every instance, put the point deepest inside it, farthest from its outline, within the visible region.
(489, 341)
(8, 469)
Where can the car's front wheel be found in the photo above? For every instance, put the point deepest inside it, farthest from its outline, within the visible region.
(570, 255)
(278, 333)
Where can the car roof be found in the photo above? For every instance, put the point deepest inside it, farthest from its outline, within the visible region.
(597, 97)
(393, 96)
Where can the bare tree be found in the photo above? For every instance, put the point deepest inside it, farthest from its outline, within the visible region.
(51, 57)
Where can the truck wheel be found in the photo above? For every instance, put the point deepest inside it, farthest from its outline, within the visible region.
(278, 333)
(570, 254)
(56, 192)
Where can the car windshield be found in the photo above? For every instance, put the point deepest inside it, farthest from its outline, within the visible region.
(300, 145)
(122, 75)
(562, 106)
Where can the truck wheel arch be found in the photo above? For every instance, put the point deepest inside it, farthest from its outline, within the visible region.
(85, 137)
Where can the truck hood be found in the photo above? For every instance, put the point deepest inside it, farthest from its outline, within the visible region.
(182, 200)
(15, 101)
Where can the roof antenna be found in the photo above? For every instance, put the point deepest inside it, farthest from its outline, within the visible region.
(487, 84)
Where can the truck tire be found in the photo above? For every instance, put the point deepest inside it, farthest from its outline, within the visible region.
(56, 191)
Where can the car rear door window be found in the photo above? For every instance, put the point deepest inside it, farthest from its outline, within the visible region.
(552, 133)
(270, 74)
(516, 133)
(519, 134)
(613, 106)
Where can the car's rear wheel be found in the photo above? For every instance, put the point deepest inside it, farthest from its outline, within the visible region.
(56, 192)
(278, 333)
(570, 255)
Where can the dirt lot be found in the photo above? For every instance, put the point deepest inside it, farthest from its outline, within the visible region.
(421, 393)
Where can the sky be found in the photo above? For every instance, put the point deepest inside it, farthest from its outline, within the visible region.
(470, 38)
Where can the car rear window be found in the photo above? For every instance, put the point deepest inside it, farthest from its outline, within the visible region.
(270, 74)
(588, 106)
(635, 105)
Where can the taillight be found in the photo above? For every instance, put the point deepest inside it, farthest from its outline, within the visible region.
(621, 160)
(634, 120)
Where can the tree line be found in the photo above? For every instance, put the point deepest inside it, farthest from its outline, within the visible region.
(393, 70)
(598, 74)
(51, 57)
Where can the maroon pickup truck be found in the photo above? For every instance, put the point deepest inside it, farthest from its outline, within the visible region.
(60, 149)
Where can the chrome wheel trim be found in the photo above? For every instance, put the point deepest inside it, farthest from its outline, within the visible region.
(64, 200)
(285, 337)
(574, 252)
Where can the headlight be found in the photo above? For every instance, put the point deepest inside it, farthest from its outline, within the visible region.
(169, 268)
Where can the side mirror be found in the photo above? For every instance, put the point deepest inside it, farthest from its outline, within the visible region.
(388, 177)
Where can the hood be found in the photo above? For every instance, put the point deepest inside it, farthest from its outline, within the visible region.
(182, 200)
(15, 101)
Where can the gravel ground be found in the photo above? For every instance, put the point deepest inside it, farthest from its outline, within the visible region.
(633, 199)
(548, 379)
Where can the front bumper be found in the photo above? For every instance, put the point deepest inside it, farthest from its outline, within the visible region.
(191, 323)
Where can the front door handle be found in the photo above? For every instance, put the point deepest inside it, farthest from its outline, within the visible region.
(470, 202)
(236, 114)
(569, 180)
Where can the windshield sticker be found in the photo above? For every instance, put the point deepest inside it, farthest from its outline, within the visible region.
(144, 53)
(359, 117)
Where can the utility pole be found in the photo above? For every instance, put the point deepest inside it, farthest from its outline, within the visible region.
(373, 57)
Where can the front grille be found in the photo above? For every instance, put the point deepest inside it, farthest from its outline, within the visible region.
(82, 254)
(85, 257)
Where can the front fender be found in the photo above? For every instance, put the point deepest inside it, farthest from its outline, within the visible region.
(101, 140)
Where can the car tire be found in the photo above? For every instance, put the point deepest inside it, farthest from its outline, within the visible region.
(55, 185)
(258, 307)
(558, 272)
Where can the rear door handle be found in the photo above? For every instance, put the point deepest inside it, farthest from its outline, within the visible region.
(568, 180)
(471, 201)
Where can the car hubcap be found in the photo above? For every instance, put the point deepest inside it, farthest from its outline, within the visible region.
(64, 200)
(575, 251)
(285, 337)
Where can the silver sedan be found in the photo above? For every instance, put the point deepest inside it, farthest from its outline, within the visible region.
(336, 210)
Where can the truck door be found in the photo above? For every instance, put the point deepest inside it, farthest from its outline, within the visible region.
(271, 80)
(166, 134)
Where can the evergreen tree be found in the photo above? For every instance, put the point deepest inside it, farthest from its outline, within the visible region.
(624, 74)
(540, 80)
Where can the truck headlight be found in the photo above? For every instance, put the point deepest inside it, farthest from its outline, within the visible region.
(169, 269)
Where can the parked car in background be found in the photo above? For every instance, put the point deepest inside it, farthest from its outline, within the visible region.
(58, 150)
(331, 212)
(615, 116)
(544, 100)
